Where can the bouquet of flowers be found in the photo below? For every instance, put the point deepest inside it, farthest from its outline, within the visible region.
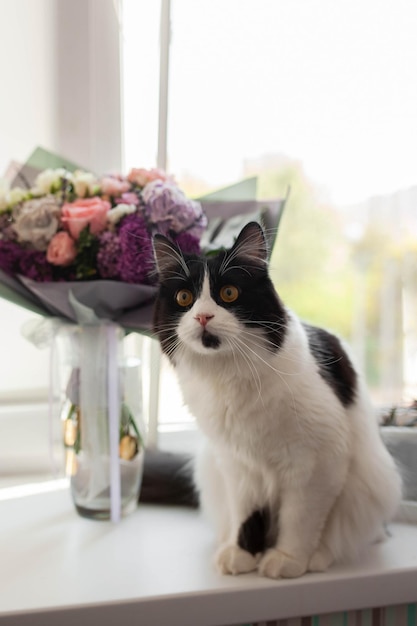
(75, 231)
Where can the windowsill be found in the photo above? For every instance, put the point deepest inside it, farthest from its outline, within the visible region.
(156, 567)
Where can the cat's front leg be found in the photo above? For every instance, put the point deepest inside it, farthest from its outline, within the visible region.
(242, 547)
(242, 550)
(302, 516)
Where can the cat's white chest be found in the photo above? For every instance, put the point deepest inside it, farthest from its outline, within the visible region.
(231, 409)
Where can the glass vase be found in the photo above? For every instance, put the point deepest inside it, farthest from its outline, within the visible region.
(102, 422)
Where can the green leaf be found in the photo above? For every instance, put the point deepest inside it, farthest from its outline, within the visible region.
(86, 260)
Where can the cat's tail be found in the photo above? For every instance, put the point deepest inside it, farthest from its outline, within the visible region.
(168, 479)
(369, 500)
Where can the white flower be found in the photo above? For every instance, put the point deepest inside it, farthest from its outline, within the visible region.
(49, 181)
(36, 221)
(16, 195)
(85, 184)
(119, 211)
(10, 197)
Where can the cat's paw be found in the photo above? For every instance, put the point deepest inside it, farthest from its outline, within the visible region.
(276, 564)
(230, 559)
(321, 559)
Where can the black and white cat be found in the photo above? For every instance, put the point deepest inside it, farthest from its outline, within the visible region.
(294, 473)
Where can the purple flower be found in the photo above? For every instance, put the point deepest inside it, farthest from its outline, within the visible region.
(167, 208)
(109, 255)
(187, 243)
(14, 259)
(129, 197)
(136, 259)
(10, 255)
(199, 226)
(34, 265)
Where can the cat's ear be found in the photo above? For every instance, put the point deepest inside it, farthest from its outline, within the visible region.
(167, 256)
(251, 243)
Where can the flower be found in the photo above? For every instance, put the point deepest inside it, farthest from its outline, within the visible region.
(136, 261)
(85, 184)
(6, 227)
(34, 265)
(10, 197)
(74, 226)
(10, 255)
(188, 242)
(61, 249)
(130, 197)
(36, 221)
(142, 177)
(109, 255)
(90, 212)
(114, 185)
(16, 195)
(168, 208)
(116, 214)
(50, 180)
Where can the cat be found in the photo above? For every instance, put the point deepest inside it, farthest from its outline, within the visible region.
(294, 473)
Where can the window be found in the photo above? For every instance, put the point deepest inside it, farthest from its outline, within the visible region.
(320, 96)
(317, 95)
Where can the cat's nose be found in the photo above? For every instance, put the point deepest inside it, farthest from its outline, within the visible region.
(203, 318)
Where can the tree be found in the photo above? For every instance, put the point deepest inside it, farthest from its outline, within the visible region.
(309, 261)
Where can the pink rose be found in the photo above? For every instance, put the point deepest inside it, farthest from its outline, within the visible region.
(61, 249)
(114, 185)
(142, 177)
(88, 211)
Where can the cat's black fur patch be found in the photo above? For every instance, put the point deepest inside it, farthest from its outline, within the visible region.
(333, 362)
(209, 341)
(254, 532)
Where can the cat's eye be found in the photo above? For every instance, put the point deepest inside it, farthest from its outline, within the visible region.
(184, 297)
(229, 293)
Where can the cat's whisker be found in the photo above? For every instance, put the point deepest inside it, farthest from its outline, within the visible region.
(171, 342)
(252, 368)
(238, 252)
(174, 348)
(265, 344)
(265, 362)
(245, 249)
(176, 276)
(236, 267)
(171, 326)
(171, 346)
(175, 254)
(280, 374)
(232, 349)
(273, 325)
(283, 352)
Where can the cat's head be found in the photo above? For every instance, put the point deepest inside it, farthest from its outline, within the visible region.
(219, 304)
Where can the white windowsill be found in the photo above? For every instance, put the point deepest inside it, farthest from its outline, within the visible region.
(155, 567)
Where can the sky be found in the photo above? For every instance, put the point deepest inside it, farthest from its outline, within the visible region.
(331, 84)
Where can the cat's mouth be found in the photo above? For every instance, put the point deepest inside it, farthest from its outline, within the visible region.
(209, 341)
